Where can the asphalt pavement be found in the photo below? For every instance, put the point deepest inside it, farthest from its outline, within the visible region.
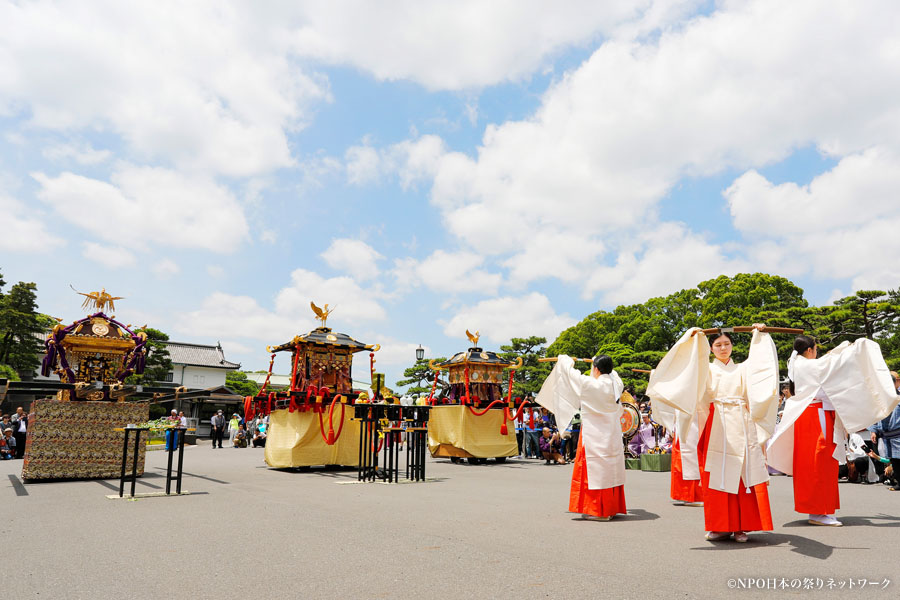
(470, 532)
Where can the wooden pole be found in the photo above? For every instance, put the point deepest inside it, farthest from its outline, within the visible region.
(744, 329)
(641, 370)
(555, 358)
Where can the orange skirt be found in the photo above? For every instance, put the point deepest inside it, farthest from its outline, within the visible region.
(815, 469)
(733, 512)
(686, 490)
(599, 503)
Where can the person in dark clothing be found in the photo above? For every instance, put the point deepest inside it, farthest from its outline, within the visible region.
(218, 428)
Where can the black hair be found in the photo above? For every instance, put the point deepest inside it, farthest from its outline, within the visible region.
(714, 336)
(802, 343)
(603, 363)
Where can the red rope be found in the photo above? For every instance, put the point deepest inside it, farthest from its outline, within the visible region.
(489, 406)
(515, 417)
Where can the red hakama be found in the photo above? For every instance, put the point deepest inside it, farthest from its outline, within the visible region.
(732, 512)
(599, 503)
(685, 490)
(815, 468)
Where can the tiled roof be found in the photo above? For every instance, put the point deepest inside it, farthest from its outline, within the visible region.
(199, 355)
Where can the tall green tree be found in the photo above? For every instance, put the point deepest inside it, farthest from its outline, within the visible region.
(21, 328)
(158, 363)
(638, 335)
(237, 382)
(529, 378)
(420, 378)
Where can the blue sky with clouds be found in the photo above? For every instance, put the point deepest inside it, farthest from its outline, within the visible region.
(507, 167)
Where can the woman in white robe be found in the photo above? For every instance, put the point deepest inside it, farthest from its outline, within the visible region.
(598, 476)
(849, 388)
(734, 407)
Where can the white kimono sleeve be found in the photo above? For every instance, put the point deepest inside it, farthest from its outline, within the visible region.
(680, 379)
(561, 392)
(858, 383)
(761, 369)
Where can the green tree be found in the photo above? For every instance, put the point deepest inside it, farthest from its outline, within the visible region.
(158, 363)
(420, 378)
(237, 382)
(530, 377)
(7, 372)
(21, 328)
(638, 335)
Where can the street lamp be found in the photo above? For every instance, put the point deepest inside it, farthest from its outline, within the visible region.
(420, 352)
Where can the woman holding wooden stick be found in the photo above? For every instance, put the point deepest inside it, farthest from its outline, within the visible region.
(848, 389)
(734, 407)
(598, 476)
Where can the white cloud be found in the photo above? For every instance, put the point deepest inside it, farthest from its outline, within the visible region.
(363, 164)
(224, 315)
(394, 352)
(459, 45)
(354, 257)
(657, 262)
(114, 257)
(351, 302)
(269, 236)
(151, 204)
(166, 268)
(24, 228)
(449, 272)
(215, 271)
(501, 319)
(842, 224)
(743, 87)
(83, 154)
(155, 75)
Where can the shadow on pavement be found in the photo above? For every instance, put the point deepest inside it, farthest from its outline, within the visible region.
(634, 514)
(891, 521)
(799, 544)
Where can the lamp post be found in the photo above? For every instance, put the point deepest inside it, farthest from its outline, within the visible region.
(420, 352)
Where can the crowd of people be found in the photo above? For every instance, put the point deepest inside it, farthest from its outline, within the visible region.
(241, 434)
(13, 429)
(539, 438)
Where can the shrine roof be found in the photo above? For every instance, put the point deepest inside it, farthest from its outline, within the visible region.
(324, 336)
(476, 356)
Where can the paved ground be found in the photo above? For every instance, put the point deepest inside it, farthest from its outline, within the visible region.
(493, 531)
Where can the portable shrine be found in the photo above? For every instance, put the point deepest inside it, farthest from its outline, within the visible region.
(474, 420)
(310, 422)
(74, 434)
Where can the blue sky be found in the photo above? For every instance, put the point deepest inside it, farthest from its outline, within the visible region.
(505, 167)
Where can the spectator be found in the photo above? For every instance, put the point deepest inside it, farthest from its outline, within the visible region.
(240, 437)
(7, 444)
(859, 467)
(550, 445)
(645, 439)
(259, 437)
(888, 429)
(5, 423)
(572, 446)
(532, 423)
(20, 430)
(548, 420)
(233, 427)
(217, 424)
(182, 419)
(171, 435)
